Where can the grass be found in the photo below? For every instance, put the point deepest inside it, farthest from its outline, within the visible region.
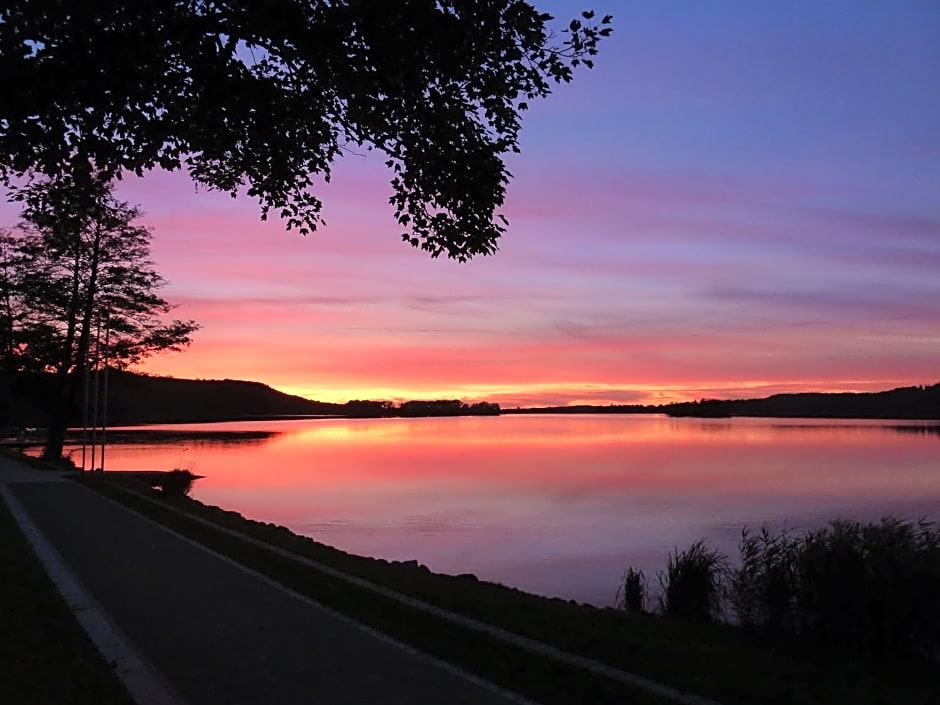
(713, 660)
(45, 657)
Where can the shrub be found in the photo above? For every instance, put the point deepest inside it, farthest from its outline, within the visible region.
(692, 584)
(176, 482)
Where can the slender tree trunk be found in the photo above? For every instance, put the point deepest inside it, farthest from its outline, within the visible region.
(63, 401)
(9, 345)
(67, 360)
(88, 303)
(8, 363)
(64, 398)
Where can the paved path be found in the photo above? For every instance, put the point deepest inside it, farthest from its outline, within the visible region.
(216, 632)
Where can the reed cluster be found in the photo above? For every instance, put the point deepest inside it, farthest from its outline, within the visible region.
(871, 586)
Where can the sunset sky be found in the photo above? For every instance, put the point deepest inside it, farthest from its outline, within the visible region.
(742, 198)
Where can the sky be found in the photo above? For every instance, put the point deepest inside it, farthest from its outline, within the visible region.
(740, 199)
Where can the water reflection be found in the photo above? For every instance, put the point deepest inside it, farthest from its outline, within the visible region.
(558, 505)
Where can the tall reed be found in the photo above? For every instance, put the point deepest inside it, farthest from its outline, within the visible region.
(762, 588)
(631, 595)
(691, 586)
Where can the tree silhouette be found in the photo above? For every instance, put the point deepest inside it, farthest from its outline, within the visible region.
(79, 256)
(263, 97)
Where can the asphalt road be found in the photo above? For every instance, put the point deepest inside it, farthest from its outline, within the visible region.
(221, 635)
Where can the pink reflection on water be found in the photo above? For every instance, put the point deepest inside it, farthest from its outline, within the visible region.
(554, 504)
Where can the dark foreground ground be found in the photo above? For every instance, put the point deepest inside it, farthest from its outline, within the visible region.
(46, 657)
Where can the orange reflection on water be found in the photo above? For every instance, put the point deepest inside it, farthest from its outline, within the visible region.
(555, 504)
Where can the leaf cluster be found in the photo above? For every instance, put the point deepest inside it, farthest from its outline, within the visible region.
(263, 97)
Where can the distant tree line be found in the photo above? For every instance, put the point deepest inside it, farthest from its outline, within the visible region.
(589, 409)
(441, 407)
(903, 403)
(26, 397)
(921, 402)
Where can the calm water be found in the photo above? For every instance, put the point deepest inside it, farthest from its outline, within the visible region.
(558, 505)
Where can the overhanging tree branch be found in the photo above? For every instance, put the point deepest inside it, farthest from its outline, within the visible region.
(438, 86)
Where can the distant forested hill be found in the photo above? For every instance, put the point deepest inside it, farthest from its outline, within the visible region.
(901, 403)
(136, 398)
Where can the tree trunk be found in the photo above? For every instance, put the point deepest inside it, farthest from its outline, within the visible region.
(72, 361)
(64, 403)
(84, 322)
(59, 415)
(68, 353)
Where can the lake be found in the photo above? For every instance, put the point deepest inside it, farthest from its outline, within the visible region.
(557, 505)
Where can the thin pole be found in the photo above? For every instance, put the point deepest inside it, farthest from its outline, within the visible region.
(94, 398)
(104, 399)
(85, 382)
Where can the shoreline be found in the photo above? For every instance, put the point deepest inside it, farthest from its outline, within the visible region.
(900, 420)
(729, 665)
